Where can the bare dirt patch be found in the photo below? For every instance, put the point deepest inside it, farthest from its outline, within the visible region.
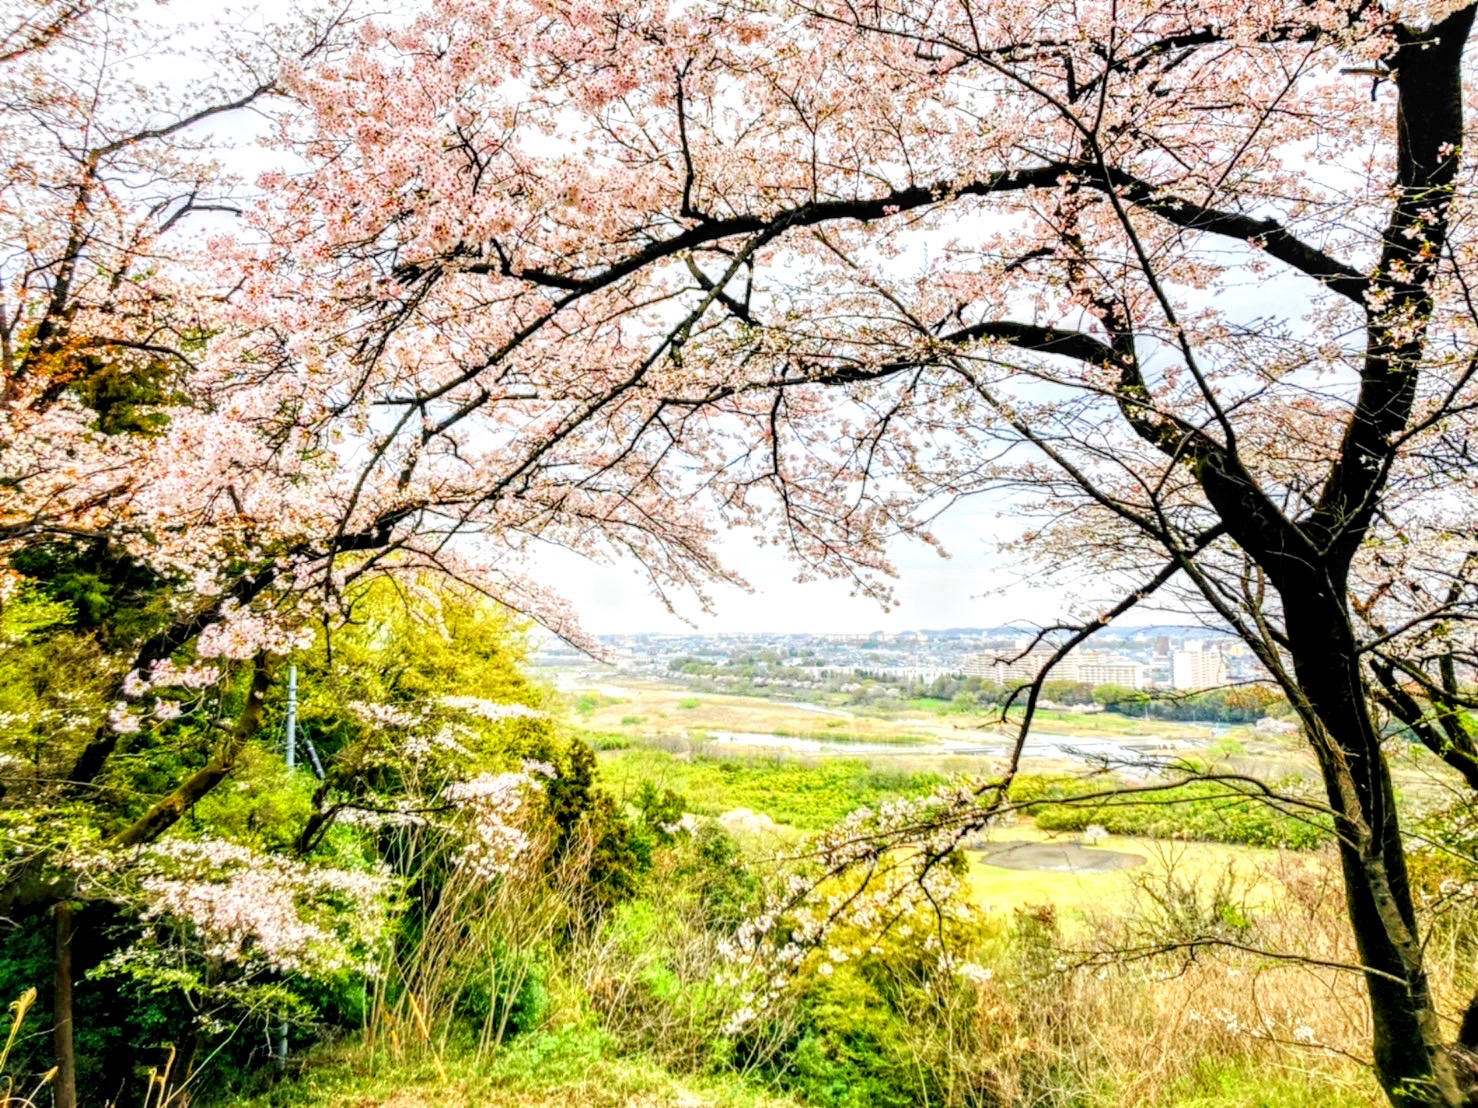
(1057, 857)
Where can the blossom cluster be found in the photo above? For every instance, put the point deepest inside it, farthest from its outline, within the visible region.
(493, 810)
(878, 871)
(1292, 1028)
(386, 716)
(247, 906)
(240, 633)
(165, 673)
(421, 736)
(444, 739)
(490, 709)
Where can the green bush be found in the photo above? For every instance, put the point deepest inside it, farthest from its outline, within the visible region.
(849, 1050)
(511, 997)
(1204, 810)
(586, 817)
(606, 740)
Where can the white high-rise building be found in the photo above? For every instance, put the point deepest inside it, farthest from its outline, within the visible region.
(1112, 669)
(997, 667)
(1195, 668)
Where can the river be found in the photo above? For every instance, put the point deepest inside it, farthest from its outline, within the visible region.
(1041, 745)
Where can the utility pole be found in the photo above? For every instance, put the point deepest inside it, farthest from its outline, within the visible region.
(292, 718)
(292, 762)
(64, 1093)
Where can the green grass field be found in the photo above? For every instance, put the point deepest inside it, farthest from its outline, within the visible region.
(997, 888)
(805, 794)
(654, 707)
(571, 1066)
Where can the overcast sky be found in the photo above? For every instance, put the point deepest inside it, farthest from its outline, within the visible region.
(965, 590)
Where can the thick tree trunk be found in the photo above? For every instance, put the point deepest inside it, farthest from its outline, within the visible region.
(64, 1088)
(1465, 1053)
(1411, 1059)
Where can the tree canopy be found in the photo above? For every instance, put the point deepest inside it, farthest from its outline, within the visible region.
(1193, 284)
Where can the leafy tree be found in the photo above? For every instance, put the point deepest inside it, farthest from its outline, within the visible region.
(1068, 692)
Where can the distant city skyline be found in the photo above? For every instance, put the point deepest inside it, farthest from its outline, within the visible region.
(1185, 657)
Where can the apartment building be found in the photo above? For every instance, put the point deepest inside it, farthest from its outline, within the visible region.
(1197, 668)
(1089, 667)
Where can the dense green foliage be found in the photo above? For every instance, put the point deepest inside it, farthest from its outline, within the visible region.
(106, 592)
(806, 795)
(1207, 810)
(1243, 704)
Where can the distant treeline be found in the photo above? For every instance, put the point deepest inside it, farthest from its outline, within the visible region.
(1242, 704)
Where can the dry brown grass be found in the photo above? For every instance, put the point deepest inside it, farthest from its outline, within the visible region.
(1136, 1005)
(1251, 967)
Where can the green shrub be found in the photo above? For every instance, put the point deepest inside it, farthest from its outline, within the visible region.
(850, 1050)
(729, 891)
(587, 818)
(606, 740)
(511, 997)
(1205, 810)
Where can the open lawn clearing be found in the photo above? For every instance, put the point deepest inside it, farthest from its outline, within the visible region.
(670, 707)
(1090, 888)
(665, 714)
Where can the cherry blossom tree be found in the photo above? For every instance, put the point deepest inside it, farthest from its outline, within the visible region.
(166, 417)
(172, 398)
(1195, 284)
(130, 438)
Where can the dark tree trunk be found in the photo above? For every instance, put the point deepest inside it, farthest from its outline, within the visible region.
(64, 1088)
(1411, 1059)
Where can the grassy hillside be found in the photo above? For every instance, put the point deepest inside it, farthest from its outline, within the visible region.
(630, 1016)
(556, 1069)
